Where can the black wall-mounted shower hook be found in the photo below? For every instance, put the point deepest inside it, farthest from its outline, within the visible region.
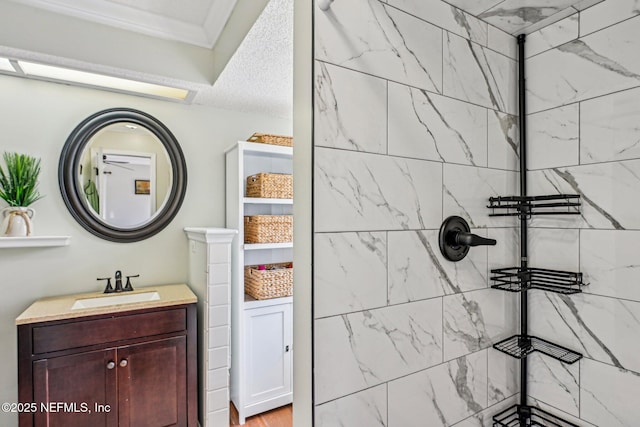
(455, 239)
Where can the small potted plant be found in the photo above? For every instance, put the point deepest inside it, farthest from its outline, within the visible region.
(19, 188)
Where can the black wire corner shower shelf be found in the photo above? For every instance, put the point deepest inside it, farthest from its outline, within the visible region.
(515, 279)
(530, 416)
(556, 204)
(520, 346)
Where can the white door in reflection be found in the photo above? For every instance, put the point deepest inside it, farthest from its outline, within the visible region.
(127, 187)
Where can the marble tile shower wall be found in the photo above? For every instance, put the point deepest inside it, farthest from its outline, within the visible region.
(584, 86)
(414, 122)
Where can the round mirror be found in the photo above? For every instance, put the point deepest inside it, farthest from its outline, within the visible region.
(122, 175)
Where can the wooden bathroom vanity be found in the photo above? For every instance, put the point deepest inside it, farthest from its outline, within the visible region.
(131, 364)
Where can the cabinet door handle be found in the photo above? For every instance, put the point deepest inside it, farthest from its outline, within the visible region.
(111, 364)
(286, 349)
(123, 363)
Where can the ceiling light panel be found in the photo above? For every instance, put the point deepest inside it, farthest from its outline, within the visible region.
(5, 65)
(49, 72)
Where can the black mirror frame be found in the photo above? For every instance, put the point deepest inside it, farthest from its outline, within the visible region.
(70, 160)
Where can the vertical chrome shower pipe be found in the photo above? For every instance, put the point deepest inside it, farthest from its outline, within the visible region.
(524, 214)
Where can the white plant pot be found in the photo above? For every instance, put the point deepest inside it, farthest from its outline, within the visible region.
(17, 221)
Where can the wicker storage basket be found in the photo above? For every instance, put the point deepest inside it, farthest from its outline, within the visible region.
(274, 282)
(270, 185)
(266, 138)
(268, 228)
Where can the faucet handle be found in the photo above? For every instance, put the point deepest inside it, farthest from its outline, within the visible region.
(127, 286)
(109, 289)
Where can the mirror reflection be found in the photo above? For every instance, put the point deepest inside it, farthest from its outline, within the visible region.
(124, 175)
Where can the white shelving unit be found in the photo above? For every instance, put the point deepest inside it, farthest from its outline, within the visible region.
(265, 246)
(257, 201)
(261, 331)
(34, 241)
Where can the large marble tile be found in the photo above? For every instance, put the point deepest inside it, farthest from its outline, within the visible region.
(485, 418)
(595, 65)
(442, 395)
(506, 252)
(607, 13)
(467, 190)
(510, 16)
(601, 328)
(556, 249)
(359, 350)
(584, 4)
(417, 269)
(552, 36)
(563, 415)
(446, 16)
(502, 42)
(609, 396)
(350, 109)
(504, 375)
(608, 194)
(610, 262)
(474, 7)
(369, 36)
(555, 383)
(350, 272)
(609, 127)
(365, 408)
(504, 141)
(477, 320)
(559, 16)
(358, 191)
(479, 75)
(428, 126)
(553, 138)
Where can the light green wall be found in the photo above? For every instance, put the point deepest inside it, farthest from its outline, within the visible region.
(36, 118)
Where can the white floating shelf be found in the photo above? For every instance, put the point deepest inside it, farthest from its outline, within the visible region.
(250, 302)
(34, 241)
(257, 246)
(265, 149)
(262, 201)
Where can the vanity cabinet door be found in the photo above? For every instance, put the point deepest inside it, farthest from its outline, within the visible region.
(68, 389)
(152, 384)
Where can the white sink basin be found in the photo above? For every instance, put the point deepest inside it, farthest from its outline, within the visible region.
(107, 300)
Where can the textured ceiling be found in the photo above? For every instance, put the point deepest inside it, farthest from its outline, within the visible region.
(522, 16)
(259, 76)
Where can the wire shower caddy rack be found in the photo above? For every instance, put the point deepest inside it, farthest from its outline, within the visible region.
(524, 278)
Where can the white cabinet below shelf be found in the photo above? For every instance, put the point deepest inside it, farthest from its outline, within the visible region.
(268, 349)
